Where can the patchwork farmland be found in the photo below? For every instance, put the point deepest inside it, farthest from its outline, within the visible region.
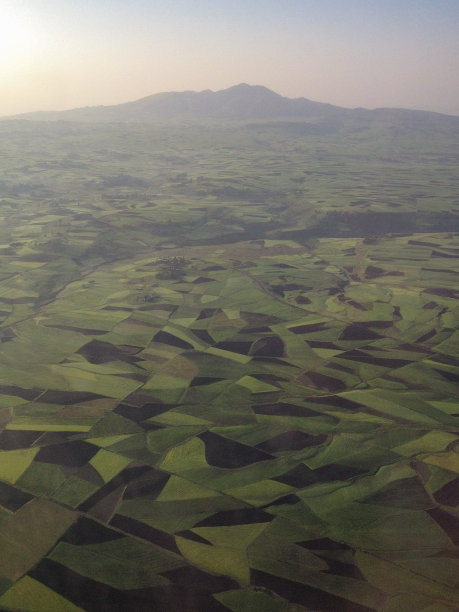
(228, 368)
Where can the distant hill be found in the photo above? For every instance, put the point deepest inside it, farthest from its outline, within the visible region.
(241, 103)
(246, 103)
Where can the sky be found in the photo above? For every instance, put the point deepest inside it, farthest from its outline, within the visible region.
(59, 54)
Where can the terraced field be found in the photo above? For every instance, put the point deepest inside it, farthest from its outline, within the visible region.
(198, 422)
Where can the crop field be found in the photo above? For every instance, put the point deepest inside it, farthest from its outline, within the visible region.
(228, 369)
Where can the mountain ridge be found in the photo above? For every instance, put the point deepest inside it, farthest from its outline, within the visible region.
(240, 102)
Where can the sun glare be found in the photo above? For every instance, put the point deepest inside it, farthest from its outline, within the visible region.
(18, 36)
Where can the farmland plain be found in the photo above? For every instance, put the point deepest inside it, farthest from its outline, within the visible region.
(229, 366)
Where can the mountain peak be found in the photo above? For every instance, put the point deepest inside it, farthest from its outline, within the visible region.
(241, 102)
(239, 86)
(245, 88)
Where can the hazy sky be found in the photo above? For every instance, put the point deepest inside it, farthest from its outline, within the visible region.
(57, 54)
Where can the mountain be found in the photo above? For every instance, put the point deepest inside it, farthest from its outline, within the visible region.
(241, 103)
(244, 103)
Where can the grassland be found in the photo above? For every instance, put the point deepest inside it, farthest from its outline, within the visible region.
(228, 368)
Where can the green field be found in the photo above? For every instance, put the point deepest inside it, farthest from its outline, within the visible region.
(229, 367)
